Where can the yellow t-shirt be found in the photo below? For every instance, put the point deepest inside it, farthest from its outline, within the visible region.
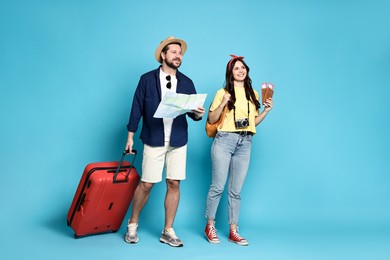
(241, 111)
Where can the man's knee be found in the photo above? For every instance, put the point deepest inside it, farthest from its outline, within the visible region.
(173, 185)
(146, 186)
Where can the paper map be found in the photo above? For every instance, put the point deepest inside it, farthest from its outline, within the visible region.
(174, 104)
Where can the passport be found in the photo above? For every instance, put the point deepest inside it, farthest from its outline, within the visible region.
(267, 91)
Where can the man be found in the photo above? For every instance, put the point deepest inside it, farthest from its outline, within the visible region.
(165, 140)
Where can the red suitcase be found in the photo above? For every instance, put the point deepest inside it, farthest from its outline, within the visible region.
(103, 197)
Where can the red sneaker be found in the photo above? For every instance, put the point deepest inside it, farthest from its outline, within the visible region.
(211, 234)
(236, 238)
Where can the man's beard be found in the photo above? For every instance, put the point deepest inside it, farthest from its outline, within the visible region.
(172, 65)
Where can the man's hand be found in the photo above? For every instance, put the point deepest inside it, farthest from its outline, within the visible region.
(130, 142)
(199, 112)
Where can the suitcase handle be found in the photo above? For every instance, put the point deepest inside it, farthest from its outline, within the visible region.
(120, 164)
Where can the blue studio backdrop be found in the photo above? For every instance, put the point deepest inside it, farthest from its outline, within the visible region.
(318, 186)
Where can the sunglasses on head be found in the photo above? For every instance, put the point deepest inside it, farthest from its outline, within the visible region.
(169, 84)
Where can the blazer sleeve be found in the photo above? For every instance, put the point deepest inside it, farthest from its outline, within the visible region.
(137, 107)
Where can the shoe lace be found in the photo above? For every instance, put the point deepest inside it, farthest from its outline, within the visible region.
(172, 233)
(212, 231)
(132, 229)
(236, 234)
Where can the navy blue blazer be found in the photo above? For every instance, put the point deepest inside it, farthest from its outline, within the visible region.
(146, 99)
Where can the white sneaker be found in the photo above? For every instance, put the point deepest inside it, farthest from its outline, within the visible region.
(169, 237)
(132, 235)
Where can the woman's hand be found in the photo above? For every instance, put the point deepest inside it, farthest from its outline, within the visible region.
(216, 113)
(225, 99)
(268, 105)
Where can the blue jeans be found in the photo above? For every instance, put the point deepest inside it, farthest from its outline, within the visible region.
(230, 152)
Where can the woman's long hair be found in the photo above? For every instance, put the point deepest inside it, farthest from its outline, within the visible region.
(229, 85)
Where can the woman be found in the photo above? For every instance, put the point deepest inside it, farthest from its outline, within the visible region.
(231, 148)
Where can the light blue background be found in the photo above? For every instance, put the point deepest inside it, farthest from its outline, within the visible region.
(318, 186)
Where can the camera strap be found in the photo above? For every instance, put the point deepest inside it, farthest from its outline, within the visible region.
(234, 114)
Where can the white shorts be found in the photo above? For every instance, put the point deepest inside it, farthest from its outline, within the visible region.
(154, 159)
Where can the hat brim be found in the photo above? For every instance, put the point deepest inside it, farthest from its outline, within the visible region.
(166, 42)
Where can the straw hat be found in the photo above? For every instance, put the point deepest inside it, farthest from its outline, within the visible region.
(167, 41)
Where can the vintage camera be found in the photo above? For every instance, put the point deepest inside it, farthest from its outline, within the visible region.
(242, 123)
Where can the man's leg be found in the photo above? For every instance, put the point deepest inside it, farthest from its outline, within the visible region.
(152, 167)
(176, 171)
(141, 196)
(171, 202)
(168, 235)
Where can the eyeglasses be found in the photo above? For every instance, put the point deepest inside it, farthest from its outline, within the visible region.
(169, 84)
